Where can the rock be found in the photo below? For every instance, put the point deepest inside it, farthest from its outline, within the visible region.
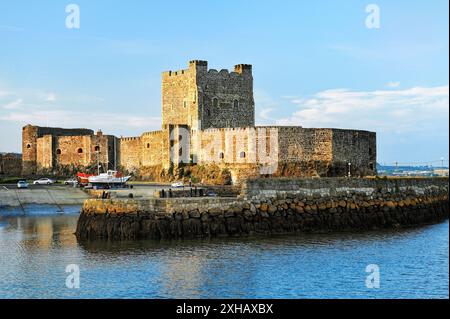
(215, 211)
(299, 209)
(194, 214)
(228, 213)
(272, 209)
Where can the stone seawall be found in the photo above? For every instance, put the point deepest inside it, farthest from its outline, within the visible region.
(270, 207)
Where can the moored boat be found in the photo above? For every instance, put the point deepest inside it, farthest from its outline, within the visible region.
(83, 178)
(111, 178)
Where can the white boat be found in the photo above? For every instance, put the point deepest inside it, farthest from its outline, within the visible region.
(110, 177)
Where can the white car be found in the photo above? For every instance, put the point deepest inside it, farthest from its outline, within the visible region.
(177, 184)
(71, 181)
(22, 184)
(43, 181)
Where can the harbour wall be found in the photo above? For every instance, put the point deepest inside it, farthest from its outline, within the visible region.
(272, 206)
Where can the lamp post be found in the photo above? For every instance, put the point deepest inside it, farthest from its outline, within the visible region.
(442, 162)
(349, 170)
(98, 162)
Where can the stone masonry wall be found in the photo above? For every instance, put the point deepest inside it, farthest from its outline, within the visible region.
(287, 151)
(226, 98)
(179, 97)
(153, 148)
(356, 147)
(327, 206)
(38, 146)
(202, 98)
(130, 153)
(10, 164)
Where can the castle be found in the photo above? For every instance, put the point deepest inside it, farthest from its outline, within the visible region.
(208, 120)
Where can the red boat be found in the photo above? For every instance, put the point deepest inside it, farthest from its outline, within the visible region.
(83, 178)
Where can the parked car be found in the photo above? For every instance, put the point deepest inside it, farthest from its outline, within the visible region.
(177, 184)
(211, 194)
(71, 181)
(22, 184)
(43, 181)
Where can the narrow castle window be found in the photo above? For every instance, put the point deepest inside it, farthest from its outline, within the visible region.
(97, 148)
(58, 151)
(80, 150)
(184, 104)
(215, 102)
(236, 104)
(221, 156)
(28, 146)
(268, 145)
(148, 145)
(242, 155)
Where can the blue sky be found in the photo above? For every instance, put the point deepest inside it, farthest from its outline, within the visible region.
(315, 64)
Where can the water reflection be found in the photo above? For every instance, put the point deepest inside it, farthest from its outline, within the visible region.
(36, 249)
(42, 232)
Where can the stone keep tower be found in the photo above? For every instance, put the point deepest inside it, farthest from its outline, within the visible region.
(202, 98)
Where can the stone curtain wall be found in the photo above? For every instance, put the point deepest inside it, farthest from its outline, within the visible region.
(149, 150)
(304, 144)
(130, 153)
(10, 164)
(355, 147)
(287, 151)
(246, 152)
(272, 207)
(154, 148)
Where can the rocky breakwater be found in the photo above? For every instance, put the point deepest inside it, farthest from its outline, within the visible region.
(269, 206)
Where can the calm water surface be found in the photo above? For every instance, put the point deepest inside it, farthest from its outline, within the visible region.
(36, 247)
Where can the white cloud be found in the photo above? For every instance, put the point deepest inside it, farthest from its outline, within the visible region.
(264, 114)
(5, 93)
(393, 84)
(62, 118)
(13, 105)
(416, 109)
(51, 97)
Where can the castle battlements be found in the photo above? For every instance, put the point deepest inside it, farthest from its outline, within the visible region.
(151, 133)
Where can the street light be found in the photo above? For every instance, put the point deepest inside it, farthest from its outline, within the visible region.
(442, 162)
(349, 171)
(98, 161)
